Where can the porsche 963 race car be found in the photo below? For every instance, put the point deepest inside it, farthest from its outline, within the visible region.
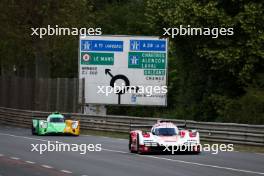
(164, 137)
(55, 124)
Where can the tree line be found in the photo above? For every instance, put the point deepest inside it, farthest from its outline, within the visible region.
(210, 79)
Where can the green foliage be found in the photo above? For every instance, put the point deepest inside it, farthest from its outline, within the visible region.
(55, 53)
(246, 109)
(210, 79)
(122, 18)
(238, 54)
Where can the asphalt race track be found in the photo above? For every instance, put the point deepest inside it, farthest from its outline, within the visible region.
(16, 158)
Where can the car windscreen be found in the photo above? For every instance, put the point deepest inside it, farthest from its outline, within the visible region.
(165, 131)
(56, 120)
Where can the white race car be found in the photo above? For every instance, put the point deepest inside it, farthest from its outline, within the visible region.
(164, 137)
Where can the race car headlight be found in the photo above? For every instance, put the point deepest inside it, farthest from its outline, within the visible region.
(43, 124)
(74, 125)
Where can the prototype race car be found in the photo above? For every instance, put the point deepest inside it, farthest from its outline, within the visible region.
(55, 124)
(164, 137)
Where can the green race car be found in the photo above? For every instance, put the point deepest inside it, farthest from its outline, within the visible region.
(55, 124)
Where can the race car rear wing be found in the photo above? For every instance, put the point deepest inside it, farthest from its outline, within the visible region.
(183, 125)
(149, 126)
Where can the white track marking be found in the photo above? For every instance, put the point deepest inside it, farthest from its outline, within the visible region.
(14, 158)
(66, 171)
(154, 157)
(1, 155)
(205, 165)
(116, 151)
(259, 153)
(47, 166)
(121, 139)
(30, 162)
(6, 134)
(192, 163)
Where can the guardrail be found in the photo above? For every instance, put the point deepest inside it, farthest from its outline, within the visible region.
(209, 131)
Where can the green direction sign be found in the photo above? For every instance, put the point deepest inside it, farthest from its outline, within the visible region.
(146, 60)
(89, 58)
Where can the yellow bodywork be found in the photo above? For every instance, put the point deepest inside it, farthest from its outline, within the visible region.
(68, 129)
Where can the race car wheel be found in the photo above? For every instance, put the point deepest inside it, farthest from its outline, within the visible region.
(129, 144)
(141, 148)
(33, 130)
(138, 146)
(197, 153)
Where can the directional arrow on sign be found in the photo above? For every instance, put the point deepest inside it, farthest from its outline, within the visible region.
(107, 71)
(122, 77)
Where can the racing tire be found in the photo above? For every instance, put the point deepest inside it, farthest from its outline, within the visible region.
(33, 130)
(196, 152)
(129, 144)
(138, 146)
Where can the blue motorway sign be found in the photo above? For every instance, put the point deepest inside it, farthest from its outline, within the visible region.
(147, 45)
(102, 45)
